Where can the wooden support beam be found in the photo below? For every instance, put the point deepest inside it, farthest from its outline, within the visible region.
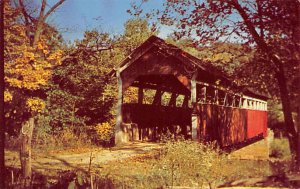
(157, 97)
(259, 106)
(245, 103)
(216, 98)
(240, 102)
(185, 103)
(120, 135)
(172, 102)
(233, 101)
(203, 94)
(194, 104)
(183, 90)
(250, 104)
(225, 100)
(140, 95)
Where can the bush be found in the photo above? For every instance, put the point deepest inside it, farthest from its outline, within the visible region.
(103, 133)
(187, 163)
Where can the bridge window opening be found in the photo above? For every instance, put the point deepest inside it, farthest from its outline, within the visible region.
(201, 94)
(148, 96)
(179, 100)
(233, 104)
(250, 104)
(222, 98)
(229, 100)
(165, 98)
(130, 95)
(240, 102)
(210, 95)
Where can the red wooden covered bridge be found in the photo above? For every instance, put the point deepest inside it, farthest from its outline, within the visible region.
(203, 103)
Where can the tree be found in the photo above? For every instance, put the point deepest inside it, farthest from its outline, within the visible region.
(81, 94)
(2, 122)
(29, 58)
(271, 27)
(81, 81)
(226, 56)
(137, 30)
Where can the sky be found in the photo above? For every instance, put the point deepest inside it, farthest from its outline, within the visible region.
(74, 17)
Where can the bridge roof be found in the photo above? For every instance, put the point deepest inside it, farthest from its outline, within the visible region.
(206, 71)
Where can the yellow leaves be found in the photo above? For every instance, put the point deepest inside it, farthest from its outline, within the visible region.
(55, 57)
(28, 67)
(131, 95)
(104, 131)
(27, 56)
(40, 46)
(222, 57)
(46, 51)
(43, 47)
(28, 72)
(7, 96)
(35, 104)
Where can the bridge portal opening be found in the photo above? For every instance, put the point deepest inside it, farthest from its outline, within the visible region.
(156, 107)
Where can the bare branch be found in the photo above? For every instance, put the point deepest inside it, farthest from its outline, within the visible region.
(75, 53)
(22, 6)
(53, 8)
(39, 25)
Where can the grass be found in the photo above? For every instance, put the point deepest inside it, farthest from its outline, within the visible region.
(64, 142)
(280, 149)
(184, 163)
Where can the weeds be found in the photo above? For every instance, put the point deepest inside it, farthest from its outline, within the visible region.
(190, 164)
(280, 148)
(181, 163)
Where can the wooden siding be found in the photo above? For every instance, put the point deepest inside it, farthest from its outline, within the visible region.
(229, 126)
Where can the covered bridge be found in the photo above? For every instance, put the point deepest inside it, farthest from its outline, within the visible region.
(203, 104)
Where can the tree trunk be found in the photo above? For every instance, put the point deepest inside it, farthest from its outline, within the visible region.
(287, 112)
(2, 121)
(297, 40)
(25, 150)
(284, 94)
(298, 131)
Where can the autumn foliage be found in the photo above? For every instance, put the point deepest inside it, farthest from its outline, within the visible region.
(27, 68)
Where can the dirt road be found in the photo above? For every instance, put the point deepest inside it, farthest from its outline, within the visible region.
(81, 161)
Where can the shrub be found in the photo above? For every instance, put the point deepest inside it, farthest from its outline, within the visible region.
(103, 133)
(68, 139)
(187, 163)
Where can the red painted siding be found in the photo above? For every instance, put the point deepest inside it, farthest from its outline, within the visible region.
(256, 123)
(229, 125)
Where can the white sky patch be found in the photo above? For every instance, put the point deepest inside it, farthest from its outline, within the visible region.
(165, 31)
